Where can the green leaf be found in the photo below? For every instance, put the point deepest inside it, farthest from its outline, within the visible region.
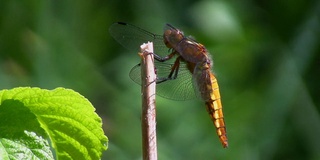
(21, 134)
(67, 117)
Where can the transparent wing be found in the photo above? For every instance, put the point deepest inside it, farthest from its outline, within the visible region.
(135, 74)
(132, 37)
(180, 88)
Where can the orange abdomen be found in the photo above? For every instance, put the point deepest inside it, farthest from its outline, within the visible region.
(214, 109)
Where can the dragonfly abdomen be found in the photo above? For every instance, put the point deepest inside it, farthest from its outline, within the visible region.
(214, 108)
(217, 118)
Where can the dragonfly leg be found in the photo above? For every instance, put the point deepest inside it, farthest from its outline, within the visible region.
(174, 72)
(167, 57)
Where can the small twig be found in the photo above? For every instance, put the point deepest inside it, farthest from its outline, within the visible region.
(148, 89)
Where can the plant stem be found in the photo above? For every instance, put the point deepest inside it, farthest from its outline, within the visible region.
(148, 89)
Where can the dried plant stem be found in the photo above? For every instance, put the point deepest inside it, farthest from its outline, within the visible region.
(148, 89)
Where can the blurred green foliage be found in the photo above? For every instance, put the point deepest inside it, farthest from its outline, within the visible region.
(266, 56)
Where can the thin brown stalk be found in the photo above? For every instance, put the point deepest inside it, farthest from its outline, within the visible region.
(148, 89)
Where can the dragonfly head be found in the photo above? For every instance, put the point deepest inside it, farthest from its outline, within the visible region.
(172, 36)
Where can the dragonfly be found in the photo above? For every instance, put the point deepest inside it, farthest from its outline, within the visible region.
(183, 67)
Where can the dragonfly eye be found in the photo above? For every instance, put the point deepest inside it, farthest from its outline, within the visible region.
(172, 37)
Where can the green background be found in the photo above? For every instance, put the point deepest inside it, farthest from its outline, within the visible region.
(266, 58)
